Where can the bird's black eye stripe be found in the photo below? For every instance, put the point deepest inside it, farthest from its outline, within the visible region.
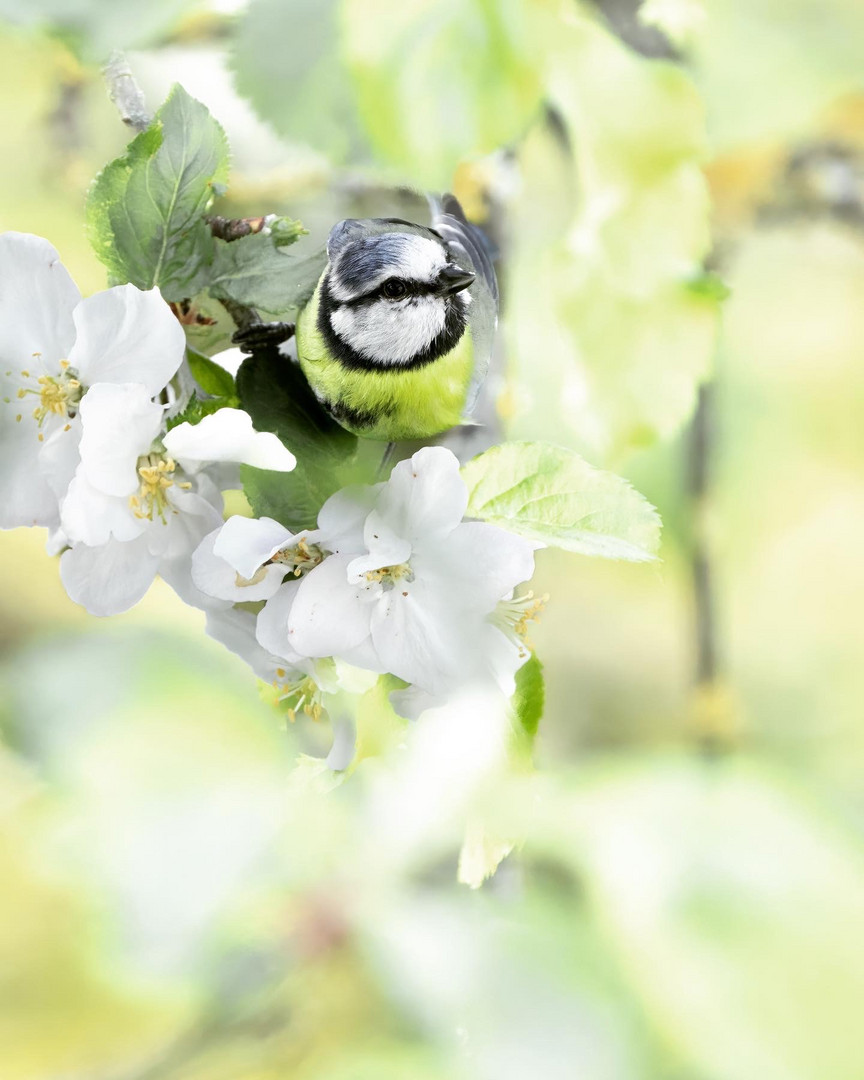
(393, 289)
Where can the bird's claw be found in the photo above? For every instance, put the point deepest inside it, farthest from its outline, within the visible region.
(262, 336)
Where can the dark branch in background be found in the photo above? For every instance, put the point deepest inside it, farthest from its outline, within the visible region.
(125, 93)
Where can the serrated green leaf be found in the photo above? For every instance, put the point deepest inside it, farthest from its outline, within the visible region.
(212, 378)
(549, 493)
(254, 272)
(145, 210)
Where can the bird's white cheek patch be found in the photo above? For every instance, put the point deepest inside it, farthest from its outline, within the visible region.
(388, 333)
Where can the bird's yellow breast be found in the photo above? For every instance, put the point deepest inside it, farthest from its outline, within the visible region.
(391, 404)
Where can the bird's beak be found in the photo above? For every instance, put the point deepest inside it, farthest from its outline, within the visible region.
(453, 279)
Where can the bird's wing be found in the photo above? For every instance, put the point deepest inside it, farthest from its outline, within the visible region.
(467, 244)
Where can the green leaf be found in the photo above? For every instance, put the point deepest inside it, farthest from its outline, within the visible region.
(212, 378)
(549, 493)
(274, 392)
(609, 341)
(732, 902)
(254, 272)
(92, 28)
(527, 705)
(287, 61)
(440, 81)
(145, 210)
(197, 409)
(285, 231)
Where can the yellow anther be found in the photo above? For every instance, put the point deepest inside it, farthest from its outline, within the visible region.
(156, 478)
(389, 574)
(57, 396)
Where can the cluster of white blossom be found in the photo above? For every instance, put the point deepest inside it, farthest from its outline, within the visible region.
(392, 580)
(86, 398)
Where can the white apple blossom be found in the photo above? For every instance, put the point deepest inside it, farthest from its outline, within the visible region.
(128, 489)
(248, 559)
(54, 348)
(422, 596)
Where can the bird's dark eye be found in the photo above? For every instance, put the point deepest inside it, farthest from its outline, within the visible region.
(394, 289)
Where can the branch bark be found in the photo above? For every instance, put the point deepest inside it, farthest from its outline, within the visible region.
(125, 93)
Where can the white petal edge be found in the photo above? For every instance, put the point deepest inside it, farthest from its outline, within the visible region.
(227, 435)
(127, 335)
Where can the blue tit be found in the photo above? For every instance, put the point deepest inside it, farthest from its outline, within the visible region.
(396, 339)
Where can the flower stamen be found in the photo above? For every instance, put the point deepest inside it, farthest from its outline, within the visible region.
(304, 696)
(389, 575)
(513, 616)
(156, 478)
(301, 557)
(58, 395)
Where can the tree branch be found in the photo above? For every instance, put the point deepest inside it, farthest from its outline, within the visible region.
(125, 93)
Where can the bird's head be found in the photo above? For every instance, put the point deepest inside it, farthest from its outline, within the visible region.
(391, 298)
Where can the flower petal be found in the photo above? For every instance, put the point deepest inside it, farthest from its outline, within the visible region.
(227, 435)
(247, 543)
(37, 298)
(26, 497)
(110, 578)
(330, 615)
(341, 518)
(425, 498)
(89, 516)
(271, 629)
(479, 564)
(59, 457)
(120, 423)
(126, 335)
(420, 638)
(215, 576)
(235, 629)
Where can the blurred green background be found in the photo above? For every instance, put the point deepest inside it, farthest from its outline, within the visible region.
(181, 898)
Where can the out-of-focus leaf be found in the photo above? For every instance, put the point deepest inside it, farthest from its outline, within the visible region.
(287, 61)
(735, 907)
(528, 703)
(92, 27)
(609, 341)
(144, 210)
(442, 80)
(766, 70)
(678, 19)
(549, 493)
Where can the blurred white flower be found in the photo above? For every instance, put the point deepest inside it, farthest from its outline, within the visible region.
(54, 348)
(420, 600)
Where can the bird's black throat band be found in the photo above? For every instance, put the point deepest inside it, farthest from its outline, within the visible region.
(446, 339)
